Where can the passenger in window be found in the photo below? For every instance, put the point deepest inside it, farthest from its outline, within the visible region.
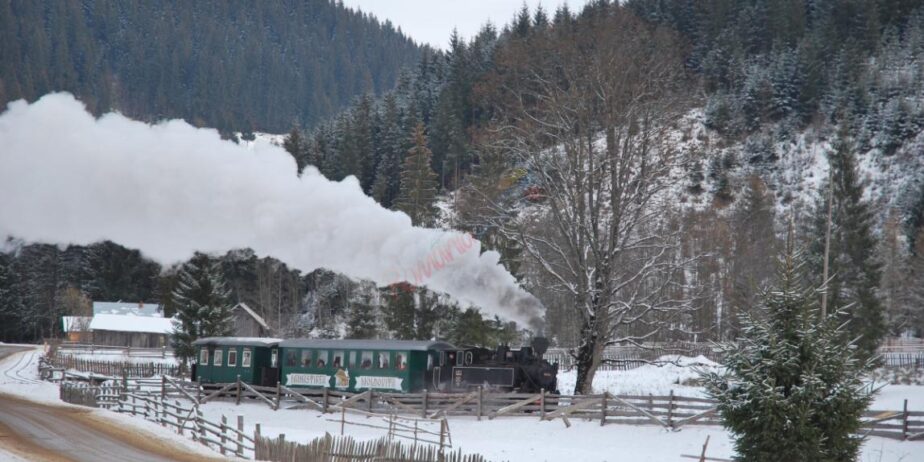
(291, 358)
(399, 359)
(336, 362)
(321, 363)
(367, 360)
(306, 359)
(383, 361)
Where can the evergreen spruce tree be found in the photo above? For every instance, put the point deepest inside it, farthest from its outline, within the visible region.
(400, 311)
(418, 182)
(362, 322)
(854, 270)
(391, 148)
(793, 387)
(11, 307)
(203, 307)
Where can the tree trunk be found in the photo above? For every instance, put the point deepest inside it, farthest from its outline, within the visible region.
(587, 361)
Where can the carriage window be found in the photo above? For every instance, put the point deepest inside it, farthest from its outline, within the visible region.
(400, 361)
(460, 357)
(338, 359)
(245, 358)
(232, 357)
(322, 359)
(274, 358)
(306, 358)
(291, 358)
(353, 362)
(429, 362)
(366, 360)
(204, 357)
(218, 357)
(383, 360)
(468, 358)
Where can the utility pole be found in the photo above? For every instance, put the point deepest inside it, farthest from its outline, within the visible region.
(824, 294)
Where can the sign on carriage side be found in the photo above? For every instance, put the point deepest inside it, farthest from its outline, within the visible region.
(372, 381)
(310, 380)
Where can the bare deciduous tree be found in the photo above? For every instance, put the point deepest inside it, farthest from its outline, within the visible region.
(591, 119)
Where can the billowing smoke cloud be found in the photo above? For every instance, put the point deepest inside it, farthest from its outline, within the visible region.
(171, 189)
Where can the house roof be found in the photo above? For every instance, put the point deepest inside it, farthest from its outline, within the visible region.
(237, 341)
(136, 308)
(359, 344)
(132, 323)
(252, 313)
(75, 323)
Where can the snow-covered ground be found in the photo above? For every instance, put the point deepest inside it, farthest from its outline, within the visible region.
(513, 439)
(19, 377)
(677, 373)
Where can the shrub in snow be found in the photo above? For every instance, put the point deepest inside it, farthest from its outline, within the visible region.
(793, 388)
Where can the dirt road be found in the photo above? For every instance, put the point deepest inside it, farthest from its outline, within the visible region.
(43, 432)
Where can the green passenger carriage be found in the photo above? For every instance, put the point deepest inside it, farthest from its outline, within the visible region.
(359, 365)
(223, 359)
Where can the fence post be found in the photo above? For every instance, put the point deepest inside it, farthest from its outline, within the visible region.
(480, 401)
(370, 400)
(324, 403)
(240, 436)
(603, 408)
(278, 395)
(542, 404)
(238, 401)
(905, 421)
(426, 403)
(670, 410)
(163, 387)
(342, 419)
(224, 425)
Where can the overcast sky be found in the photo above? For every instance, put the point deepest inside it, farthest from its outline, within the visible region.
(431, 21)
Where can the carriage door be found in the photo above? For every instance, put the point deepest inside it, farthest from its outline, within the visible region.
(270, 375)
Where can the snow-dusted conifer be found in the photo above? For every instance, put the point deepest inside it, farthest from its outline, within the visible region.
(203, 306)
(793, 388)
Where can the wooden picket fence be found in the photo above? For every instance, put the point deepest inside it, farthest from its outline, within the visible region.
(345, 449)
(112, 368)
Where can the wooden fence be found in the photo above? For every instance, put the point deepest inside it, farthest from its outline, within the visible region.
(622, 358)
(903, 360)
(669, 411)
(112, 368)
(345, 449)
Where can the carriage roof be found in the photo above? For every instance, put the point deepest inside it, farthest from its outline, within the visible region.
(238, 341)
(359, 344)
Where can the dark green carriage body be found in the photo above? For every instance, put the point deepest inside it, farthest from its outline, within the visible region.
(359, 365)
(223, 359)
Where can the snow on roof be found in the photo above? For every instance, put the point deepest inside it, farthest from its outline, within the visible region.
(75, 323)
(132, 323)
(136, 308)
(267, 341)
(253, 314)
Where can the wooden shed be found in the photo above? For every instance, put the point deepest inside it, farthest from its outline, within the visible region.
(131, 331)
(247, 323)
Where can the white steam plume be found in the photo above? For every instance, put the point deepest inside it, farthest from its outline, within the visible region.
(171, 189)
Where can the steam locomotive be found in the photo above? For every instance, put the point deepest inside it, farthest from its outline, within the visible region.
(507, 369)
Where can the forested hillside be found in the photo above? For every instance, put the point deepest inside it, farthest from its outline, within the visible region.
(758, 93)
(233, 65)
(712, 128)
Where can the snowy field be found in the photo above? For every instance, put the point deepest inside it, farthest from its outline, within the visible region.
(513, 439)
